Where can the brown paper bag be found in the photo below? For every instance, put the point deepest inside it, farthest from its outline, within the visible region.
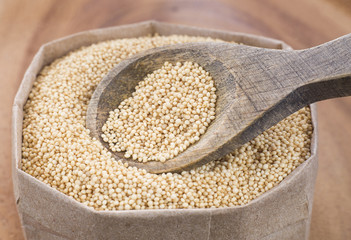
(284, 212)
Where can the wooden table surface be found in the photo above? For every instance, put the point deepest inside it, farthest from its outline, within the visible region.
(25, 25)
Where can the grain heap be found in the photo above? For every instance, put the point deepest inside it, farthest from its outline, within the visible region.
(58, 150)
(169, 110)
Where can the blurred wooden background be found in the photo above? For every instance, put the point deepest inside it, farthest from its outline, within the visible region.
(25, 25)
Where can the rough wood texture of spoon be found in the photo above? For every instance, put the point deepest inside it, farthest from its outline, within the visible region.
(256, 88)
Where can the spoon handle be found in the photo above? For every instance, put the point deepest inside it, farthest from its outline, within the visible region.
(325, 71)
(279, 83)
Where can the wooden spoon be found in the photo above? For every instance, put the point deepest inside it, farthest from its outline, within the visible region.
(256, 88)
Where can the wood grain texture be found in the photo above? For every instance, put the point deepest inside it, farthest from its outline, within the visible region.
(256, 88)
(25, 25)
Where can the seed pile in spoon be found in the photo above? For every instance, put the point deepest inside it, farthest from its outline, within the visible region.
(167, 113)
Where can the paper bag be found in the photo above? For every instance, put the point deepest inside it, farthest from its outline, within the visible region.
(283, 212)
